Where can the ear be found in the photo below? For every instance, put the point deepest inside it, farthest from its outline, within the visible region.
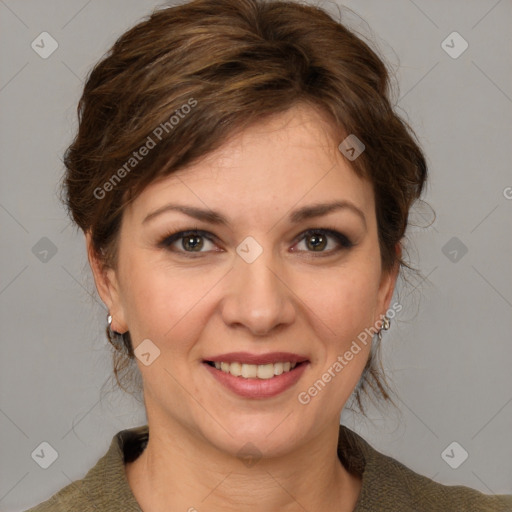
(107, 284)
(387, 287)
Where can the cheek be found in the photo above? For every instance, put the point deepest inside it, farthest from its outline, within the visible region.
(165, 304)
(341, 313)
(346, 302)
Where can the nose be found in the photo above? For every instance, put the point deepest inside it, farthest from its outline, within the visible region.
(257, 297)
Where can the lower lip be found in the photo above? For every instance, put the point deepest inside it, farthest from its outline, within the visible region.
(258, 388)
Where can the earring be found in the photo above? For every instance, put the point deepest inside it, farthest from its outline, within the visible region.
(115, 338)
(386, 324)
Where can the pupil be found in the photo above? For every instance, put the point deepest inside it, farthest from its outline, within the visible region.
(188, 242)
(318, 241)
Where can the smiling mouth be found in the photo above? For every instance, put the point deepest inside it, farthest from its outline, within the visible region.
(255, 371)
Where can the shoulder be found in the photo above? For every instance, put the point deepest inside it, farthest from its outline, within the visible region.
(64, 501)
(105, 484)
(419, 493)
(390, 485)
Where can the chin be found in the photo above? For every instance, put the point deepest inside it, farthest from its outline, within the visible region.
(267, 435)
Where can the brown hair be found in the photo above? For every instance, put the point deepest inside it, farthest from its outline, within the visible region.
(186, 78)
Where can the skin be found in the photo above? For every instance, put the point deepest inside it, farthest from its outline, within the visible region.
(291, 298)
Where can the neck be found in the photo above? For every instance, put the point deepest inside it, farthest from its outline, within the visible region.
(192, 475)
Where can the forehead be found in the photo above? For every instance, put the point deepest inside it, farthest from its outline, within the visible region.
(289, 159)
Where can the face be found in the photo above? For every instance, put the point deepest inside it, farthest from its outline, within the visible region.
(261, 273)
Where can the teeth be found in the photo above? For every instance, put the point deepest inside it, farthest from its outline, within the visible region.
(252, 371)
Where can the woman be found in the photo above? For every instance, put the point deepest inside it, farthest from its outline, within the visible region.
(244, 188)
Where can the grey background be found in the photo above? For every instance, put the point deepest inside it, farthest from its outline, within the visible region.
(449, 353)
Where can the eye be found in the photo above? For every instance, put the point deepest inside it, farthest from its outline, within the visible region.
(191, 241)
(195, 240)
(316, 240)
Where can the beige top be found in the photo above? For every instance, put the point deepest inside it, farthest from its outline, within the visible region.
(387, 485)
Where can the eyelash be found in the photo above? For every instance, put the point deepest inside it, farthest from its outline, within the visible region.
(343, 241)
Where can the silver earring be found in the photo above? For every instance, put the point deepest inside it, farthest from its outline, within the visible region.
(116, 338)
(386, 324)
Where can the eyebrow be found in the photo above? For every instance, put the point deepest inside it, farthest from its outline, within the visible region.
(306, 212)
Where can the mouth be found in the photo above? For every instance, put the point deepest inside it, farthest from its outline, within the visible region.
(255, 371)
(256, 381)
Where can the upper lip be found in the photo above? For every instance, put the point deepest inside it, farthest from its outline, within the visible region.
(248, 358)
